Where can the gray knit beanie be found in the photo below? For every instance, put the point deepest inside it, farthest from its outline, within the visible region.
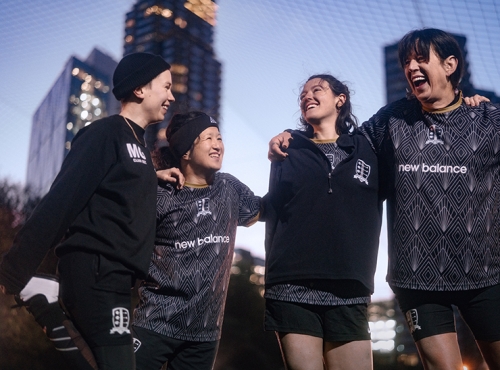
(135, 70)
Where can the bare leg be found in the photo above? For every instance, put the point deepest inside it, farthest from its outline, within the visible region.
(355, 355)
(491, 353)
(301, 352)
(440, 352)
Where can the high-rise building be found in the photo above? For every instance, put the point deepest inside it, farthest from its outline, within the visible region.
(182, 32)
(80, 95)
(395, 80)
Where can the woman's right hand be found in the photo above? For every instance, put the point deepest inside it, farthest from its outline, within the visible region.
(278, 145)
(172, 175)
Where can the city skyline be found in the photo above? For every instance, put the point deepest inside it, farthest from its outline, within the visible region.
(182, 32)
(81, 95)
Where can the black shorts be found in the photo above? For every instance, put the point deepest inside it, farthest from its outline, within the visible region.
(332, 323)
(153, 350)
(430, 313)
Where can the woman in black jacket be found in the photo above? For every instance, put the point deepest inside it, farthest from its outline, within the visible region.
(322, 231)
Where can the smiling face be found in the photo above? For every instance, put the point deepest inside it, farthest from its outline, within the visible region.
(430, 79)
(318, 103)
(157, 96)
(205, 157)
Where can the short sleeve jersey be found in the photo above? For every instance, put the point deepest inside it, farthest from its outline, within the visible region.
(185, 292)
(443, 171)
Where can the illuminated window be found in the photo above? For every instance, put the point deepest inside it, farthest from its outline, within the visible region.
(130, 23)
(179, 88)
(85, 86)
(157, 10)
(180, 22)
(179, 69)
(167, 13)
(382, 335)
(205, 9)
(75, 71)
(129, 39)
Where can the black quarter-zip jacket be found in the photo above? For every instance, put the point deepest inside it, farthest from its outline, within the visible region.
(323, 224)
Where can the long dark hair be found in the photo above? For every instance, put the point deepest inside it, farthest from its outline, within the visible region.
(346, 120)
(162, 156)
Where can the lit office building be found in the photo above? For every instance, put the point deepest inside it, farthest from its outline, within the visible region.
(80, 95)
(181, 31)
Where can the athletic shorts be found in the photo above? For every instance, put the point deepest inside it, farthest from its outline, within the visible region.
(332, 323)
(96, 294)
(430, 313)
(153, 350)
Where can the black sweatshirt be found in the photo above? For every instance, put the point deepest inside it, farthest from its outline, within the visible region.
(103, 200)
(323, 224)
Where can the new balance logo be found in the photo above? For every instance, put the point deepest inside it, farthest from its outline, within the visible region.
(362, 171)
(412, 320)
(203, 207)
(330, 158)
(137, 343)
(201, 241)
(135, 152)
(435, 135)
(121, 319)
(434, 168)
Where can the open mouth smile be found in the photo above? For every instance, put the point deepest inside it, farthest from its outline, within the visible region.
(419, 81)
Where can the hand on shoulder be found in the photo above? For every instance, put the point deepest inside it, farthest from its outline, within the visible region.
(172, 175)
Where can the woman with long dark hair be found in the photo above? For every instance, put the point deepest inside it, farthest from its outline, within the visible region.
(322, 231)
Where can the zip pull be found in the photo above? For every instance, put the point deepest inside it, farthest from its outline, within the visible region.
(330, 183)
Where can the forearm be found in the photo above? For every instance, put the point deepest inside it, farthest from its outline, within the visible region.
(70, 192)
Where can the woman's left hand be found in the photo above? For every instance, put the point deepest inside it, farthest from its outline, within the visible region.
(474, 101)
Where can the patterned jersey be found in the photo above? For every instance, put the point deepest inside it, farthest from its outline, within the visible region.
(443, 171)
(185, 292)
(306, 293)
(333, 152)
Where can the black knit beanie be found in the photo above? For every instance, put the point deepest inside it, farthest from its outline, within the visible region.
(182, 139)
(136, 70)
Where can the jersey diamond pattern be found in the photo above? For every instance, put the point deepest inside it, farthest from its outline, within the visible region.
(185, 292)
(444, 194)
